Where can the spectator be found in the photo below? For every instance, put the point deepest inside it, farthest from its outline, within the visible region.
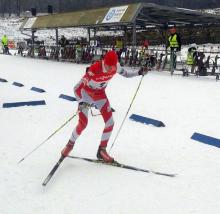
(174, 43)
(5, 44)
(146, 44)
(191, 58)
(119, 46)
(63, 43)
(174, 40)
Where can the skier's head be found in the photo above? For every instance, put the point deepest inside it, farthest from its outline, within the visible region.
(111, 58)
(172, 30)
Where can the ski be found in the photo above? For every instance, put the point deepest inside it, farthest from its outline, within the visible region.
(120, 165)
(53, 171)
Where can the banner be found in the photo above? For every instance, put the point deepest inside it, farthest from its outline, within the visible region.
(30, 22)
(114, 14)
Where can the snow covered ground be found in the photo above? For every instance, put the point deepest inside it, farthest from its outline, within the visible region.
(185, 105)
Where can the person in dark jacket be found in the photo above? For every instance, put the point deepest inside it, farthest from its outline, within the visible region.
(63, 43)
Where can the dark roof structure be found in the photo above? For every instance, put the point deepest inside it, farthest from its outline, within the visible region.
(157, 15)
(131, 17)
(141, 14)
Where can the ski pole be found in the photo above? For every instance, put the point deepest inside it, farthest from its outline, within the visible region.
(37, 147)
(135, 94)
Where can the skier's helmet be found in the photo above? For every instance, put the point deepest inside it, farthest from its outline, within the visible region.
(111, 58)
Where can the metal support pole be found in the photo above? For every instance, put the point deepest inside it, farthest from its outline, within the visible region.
(59, 6)
(32, 42)
(18, 8)
(9, 8)
(134, 39)
(94, 36)
(89, 35)
(125, 36)
(57, 39)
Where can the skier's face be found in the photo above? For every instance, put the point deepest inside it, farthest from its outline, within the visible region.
(109, 68)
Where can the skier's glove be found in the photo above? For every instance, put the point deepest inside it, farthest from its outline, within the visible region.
(83, 105)
(143, 71)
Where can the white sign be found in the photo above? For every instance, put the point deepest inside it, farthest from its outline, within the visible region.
(114, 14)
(30, 22)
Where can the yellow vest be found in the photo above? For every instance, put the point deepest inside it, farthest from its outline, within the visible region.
(119, 44)
(4, 40)
(173, 41)
(190, 59)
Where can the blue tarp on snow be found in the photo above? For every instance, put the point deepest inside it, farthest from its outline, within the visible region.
(146, 120)
(40, 90)
(17, 84)
(66, 97)
(18, 104)
(206, 139)
(3, 80)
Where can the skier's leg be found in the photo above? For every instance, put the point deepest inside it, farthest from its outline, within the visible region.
(82, 123)
(106, 113)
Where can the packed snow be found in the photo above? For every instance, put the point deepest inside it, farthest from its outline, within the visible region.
(185, 105)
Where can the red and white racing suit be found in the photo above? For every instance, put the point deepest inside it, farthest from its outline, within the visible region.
(91, 90)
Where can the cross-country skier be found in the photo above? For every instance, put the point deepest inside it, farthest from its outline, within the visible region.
(91, 91)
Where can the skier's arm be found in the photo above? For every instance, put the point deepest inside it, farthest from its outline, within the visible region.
(91, 71)
(130, 73)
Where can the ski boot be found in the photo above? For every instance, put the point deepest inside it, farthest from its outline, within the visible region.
(103, 155)
(68, 148)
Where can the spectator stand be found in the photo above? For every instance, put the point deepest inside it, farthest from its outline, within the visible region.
(129, 19)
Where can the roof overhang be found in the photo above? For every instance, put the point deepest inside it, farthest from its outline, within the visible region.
(109, 16)
(153, 14)
(141, 14)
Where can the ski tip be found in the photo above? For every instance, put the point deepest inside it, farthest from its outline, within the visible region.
(20, 160)
(45, 181)
(166, 174)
